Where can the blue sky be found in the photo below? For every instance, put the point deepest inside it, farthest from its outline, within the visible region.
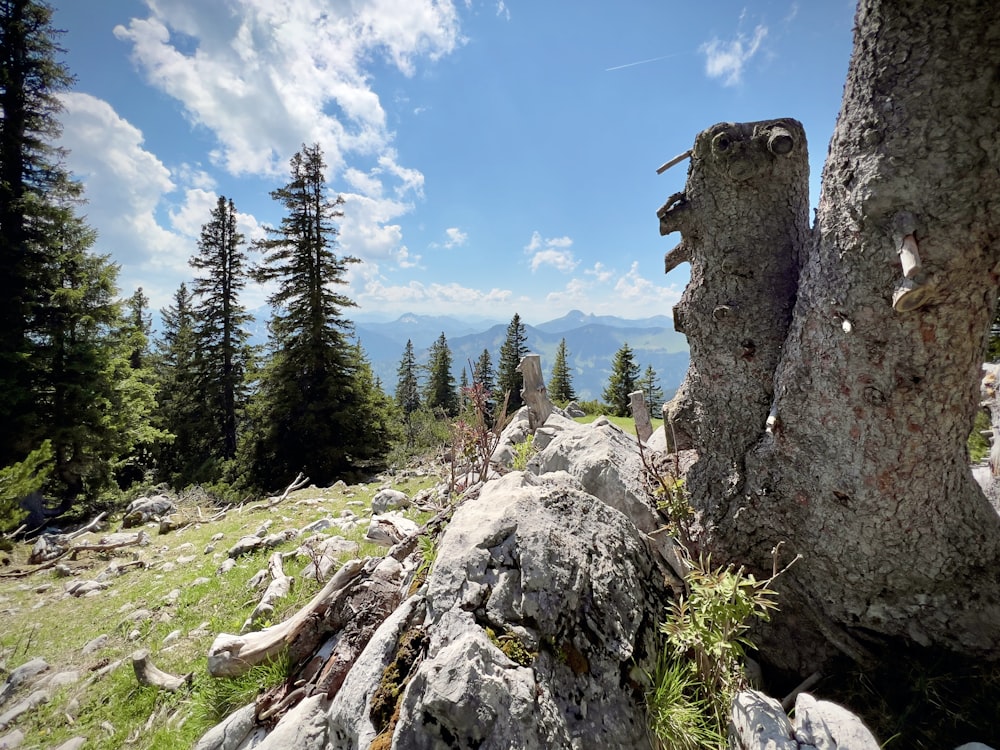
(496, 156)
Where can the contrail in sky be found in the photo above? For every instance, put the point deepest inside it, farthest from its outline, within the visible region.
(643, 62)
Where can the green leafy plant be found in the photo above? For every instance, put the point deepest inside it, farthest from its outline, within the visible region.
(701, 664)
(523, 452)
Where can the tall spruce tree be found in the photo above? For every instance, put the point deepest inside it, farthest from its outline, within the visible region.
(179, 397)
(309, 410)
(649, 384)
(224, 353)
(440, 393)
(561, 382)
(407, 383)
(30, 170)
(482, 371)
(65, 347)
(623, 380)
(513, 349)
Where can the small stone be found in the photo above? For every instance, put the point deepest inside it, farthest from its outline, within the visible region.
(217, 537)
(95, 644)
(201, 581)
(209, 549)
(173, 635)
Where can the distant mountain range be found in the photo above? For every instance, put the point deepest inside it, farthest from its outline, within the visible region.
(591, 344)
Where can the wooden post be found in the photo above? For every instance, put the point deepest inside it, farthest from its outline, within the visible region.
(534, 393)
(640, 413)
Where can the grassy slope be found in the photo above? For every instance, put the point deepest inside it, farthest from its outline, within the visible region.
(38, 619)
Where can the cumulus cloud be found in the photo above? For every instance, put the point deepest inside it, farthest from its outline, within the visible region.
(265, 76)
(456, 237)
(727, 59)
(416, 296)
(628, 294)
(553, 252)
(106, 152)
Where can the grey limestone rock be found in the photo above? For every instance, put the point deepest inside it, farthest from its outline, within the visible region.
(389, 499)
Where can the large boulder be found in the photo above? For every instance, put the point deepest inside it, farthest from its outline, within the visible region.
(541, 613)
(145, 509)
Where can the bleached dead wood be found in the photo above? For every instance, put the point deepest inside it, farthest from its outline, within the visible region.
(640, 414)
(233, 655)
(534, 393)
(150, 675)
(279, 587)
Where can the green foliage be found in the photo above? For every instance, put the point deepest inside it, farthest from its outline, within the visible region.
(407, 385)
(561, 382)
(523, 452)
(623, 380)
(23, 478)
(222, 354)
(513, 349)
(978, 445)
(440, 392)
(424, 433)
(702, 660)
(680, 717)
(220, 697)
(649, 384)
(512, 647)
(312, 411)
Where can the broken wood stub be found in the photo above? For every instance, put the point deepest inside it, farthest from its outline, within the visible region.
(150, 675)
(744, 222)
(534, 393)
(640, 414)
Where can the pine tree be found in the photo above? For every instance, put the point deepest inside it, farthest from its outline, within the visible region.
(30, 170)
(440, 393)
(513, 349)
(179, 397)
(623, 380)
(482, 372)
(66, 349)
(407, 385)
(141, 322)
(221, 336)
(649, 384)
(307, 412)
(561, 382)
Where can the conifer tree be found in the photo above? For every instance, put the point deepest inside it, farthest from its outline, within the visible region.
(66, 349)
(221, 336)
(482, 371)
(623, 380)
(561, 382)
(308, 411)
(649, 384)
(30, 80)
(179, 397)
(440, 393)
(407, 385)
(513, 349)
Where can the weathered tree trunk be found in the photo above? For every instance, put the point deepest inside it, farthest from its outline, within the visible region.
(863, 468)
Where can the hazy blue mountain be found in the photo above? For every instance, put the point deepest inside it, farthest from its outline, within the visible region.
(591, 346)
(575, 319)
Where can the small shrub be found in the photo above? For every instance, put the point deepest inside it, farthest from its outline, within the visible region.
(523, 453)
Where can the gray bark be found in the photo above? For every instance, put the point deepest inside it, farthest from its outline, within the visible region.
(864, 468)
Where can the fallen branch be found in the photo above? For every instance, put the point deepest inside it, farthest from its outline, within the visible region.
(150, 675)
(233, 655)
(279, 587)
(83, 530)
(298, 483)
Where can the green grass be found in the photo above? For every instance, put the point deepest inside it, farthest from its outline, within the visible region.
(115, 711)
(625, 423)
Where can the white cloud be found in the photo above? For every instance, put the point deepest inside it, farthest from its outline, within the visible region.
(600, 272)
(106, 153)
(266, 76)
(456, 237)
(553, 252)
(437, 298)
(726, 60)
